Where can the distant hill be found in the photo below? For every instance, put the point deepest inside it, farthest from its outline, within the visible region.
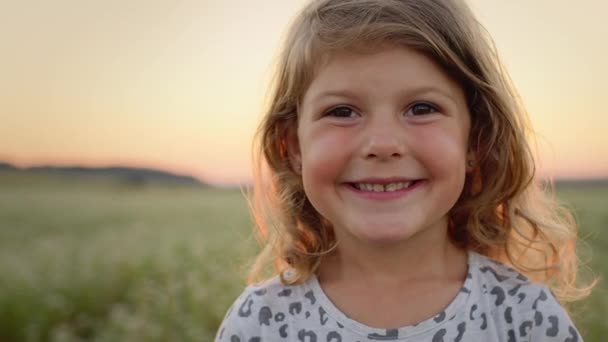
(132, 175)
(588, 183)
(6, 166)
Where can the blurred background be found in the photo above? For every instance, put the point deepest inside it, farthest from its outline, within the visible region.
(125, 134)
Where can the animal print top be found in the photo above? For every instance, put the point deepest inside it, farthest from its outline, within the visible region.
(495, 304)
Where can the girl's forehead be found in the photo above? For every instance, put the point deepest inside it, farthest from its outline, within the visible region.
(343, 57)
(322, 57)
(352, 68)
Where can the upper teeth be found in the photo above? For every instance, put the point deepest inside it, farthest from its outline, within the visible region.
(381, 188)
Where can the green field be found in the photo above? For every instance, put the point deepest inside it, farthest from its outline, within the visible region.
(101, 260)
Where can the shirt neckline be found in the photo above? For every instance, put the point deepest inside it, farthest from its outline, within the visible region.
(448, 313)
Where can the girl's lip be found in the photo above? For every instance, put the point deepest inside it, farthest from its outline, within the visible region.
(387, 195)
(384, 181)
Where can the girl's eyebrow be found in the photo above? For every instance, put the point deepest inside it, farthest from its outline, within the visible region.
(349, 93)
(446, 93)
(333, 93)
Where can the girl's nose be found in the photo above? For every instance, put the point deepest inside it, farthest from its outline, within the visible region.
(384, 145)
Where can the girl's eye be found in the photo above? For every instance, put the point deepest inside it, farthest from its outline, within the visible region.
(341, 112)
(422, 109)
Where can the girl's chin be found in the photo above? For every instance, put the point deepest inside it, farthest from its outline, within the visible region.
(384, 236)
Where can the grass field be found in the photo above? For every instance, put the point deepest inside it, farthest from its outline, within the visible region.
(100, 260)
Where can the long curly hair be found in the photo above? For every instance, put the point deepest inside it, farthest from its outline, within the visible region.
(503, 212)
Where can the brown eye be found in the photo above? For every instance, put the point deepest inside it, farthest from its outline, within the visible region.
(422, 109)
(341, 112)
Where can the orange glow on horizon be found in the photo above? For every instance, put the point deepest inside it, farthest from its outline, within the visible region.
(180, 85)
(238, 172)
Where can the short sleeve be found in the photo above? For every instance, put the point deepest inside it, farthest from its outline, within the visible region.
(551, 321)
(238, 324)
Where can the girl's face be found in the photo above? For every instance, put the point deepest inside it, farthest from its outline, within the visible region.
(382, 139)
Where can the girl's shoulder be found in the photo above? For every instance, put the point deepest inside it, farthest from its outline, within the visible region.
(513, 299)
(494, 272)
(261, 305)
(504, 285)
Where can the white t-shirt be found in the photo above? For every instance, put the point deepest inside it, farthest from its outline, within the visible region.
(495, 303)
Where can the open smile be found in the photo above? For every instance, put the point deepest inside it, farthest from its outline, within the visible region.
(385, 191)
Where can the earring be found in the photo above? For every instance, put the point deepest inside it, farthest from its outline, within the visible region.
(470, 163)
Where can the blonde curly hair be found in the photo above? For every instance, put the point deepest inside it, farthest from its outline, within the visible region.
(502, 213)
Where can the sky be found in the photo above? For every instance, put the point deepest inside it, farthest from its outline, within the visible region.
(180, 84)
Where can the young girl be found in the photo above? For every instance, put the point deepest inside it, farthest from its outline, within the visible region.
(395, 195)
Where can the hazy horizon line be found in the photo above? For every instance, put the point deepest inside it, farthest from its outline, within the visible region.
(243, 182)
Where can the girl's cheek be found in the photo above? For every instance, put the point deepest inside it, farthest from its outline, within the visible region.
(327, 141)
(444, 148)
(325, 150)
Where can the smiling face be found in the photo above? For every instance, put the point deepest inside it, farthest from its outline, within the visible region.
(382, 140)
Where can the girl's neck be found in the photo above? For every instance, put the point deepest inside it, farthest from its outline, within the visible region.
(423, 256)
(378, 285)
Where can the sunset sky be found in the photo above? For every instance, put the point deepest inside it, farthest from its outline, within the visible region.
(179, 85)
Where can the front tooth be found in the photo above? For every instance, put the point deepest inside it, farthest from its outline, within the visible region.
(378, 187)
(406, 184)
(398, 186)
(391, 187)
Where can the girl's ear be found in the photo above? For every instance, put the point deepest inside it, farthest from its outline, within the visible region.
(293, 149)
